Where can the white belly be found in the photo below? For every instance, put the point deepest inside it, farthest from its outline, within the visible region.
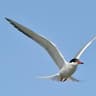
(67, 71)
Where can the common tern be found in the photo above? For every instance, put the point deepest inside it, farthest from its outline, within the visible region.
(66, 69)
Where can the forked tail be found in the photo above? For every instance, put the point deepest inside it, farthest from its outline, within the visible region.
(57, 77)
(52, 77)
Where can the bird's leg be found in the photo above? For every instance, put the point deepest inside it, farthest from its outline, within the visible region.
(61, 79)
(64, 79)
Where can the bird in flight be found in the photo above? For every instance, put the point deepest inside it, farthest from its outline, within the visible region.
(66, 69)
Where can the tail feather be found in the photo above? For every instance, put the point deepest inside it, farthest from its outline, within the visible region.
(52, 77)
(57, 77)
(73, 79)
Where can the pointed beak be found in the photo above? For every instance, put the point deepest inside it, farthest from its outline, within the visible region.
(79, 62)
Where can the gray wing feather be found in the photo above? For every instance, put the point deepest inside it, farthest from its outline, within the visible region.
(85, 47)
(45, 43)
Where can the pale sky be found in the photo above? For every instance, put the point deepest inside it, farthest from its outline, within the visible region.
(69, 24)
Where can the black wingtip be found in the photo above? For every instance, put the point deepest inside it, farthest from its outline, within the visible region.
(7, 19)
(10, 21)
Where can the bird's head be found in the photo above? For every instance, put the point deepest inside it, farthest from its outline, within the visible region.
(76, 61)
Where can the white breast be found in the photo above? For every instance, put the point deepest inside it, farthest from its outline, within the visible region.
(68, 70)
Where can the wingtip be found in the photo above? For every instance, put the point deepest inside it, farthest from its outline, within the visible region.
(7, 19)
(94, 38)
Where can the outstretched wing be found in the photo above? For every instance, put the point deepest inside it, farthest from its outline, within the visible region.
(84, 48)
(46, 44)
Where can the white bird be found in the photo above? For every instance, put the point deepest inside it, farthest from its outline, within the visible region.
(66, 69)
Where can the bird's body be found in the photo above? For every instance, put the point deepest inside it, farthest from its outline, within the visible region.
(66, 69)
(66, 72)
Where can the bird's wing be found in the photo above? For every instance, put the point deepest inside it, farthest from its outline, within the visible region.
(46, 44)
(84, 48)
